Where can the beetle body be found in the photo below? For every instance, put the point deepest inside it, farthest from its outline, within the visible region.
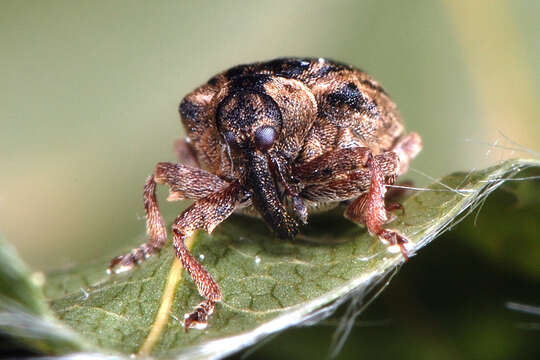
(314, 106)
(279, 139)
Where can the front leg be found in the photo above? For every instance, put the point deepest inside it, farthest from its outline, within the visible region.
(331, 164)
(206, 214)
(341, 184)
(185, 182)
(361, 176)
(320, 170)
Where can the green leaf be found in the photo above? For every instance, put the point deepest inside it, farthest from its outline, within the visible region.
(267, 284)
(24, 312)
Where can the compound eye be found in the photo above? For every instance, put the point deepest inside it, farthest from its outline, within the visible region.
(265, 137)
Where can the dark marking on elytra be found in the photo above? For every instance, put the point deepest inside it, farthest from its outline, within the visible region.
(348, 95)
(236, 71)
(289, 68)
(190, 110)
(213, 81)
(249, 83)
(324, 71)
(329, 68)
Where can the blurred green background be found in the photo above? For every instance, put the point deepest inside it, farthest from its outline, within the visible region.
(90, 89)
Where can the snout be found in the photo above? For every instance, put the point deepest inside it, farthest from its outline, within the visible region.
(264, 195)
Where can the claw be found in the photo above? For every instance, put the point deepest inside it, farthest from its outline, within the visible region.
(198, 319)
(121, 264)
(394, 239)
(395, 206)
(128, 261)
(194, 321)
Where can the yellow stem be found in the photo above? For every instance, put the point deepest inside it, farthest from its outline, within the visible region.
(162, 316)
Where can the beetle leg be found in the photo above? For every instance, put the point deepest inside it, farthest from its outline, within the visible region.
(367, 183)
(205, 213)
(395, 206)
(155, 228)
(345, 186)
(359, 206)
(370, 209)
(185, 183)
(327, 166)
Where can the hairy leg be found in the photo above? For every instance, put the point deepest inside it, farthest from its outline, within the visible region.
(155, 229)
(322, 169)
(370, 209)
(349, 185)
(362, 176)
(185, 183)
(331, 164)
(206, 214)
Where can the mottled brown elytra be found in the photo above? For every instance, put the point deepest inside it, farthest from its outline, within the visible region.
(280, 140)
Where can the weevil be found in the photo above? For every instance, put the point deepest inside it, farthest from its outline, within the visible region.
(280, 139)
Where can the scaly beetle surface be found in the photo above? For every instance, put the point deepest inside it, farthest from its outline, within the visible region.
(278, 139)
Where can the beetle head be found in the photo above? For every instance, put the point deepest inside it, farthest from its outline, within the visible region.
(264, 120)
(249, 122)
